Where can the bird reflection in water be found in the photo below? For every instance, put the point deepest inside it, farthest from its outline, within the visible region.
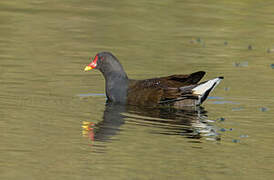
(190, 122)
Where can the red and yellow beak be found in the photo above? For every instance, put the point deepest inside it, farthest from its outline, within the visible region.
(87, 68)
(92, 65)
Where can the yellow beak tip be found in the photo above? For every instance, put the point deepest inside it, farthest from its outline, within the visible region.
(87, 68)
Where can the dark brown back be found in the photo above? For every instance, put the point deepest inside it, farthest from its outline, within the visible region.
(153, 91)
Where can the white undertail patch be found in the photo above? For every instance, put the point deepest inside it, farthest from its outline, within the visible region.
(205, 88)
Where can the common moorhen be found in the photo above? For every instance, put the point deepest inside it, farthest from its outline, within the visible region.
(174, 90)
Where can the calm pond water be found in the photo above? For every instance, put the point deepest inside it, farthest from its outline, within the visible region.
(54, 120)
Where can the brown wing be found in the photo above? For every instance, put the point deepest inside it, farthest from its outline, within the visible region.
(163, 89)
(185, 80)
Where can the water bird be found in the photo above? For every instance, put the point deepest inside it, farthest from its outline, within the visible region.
(174, 90)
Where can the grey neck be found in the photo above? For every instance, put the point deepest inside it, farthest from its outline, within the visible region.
(116, 86)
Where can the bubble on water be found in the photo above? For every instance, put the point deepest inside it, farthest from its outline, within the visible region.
(236, 140)
(221, 119)
(223, 129)
(250, 47)
(241, 64)
(226, 88)
(237, 109)
(192, 41)
(264, 109)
